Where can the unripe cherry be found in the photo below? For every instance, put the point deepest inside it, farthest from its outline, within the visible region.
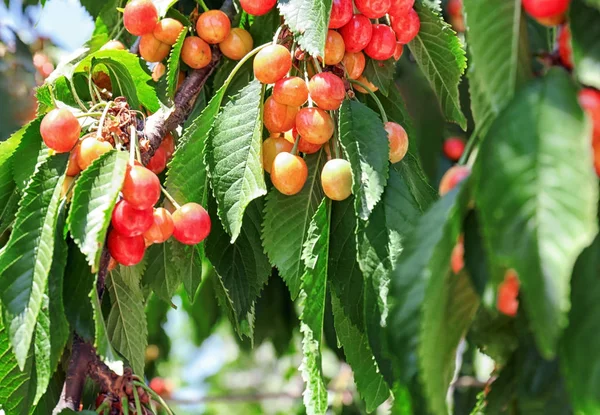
(90, 149)
(152, 49)
(453, 177)
(168, 30)
(158, 162)
(257, 7)
(401, 7)
(314, 125)
(271, 147)
(196, 53)
(140, 17)
(383, 43)
(272, 63)
(336, 179)
(303, 146)
(162, 226)
(565, 50)
(545, 8)
(60, 130)
(290, 91)
(141, 187)
(191, 224)
(237, 44)
(355, 63)
(454, 148)
(129, 221)
(327, 90)
(508, 291)
(341, 13)
(334, 48)
(406, 26)
(398, 141)
(289, 173)
(373, 9)
(357, 33)
(213, 26)
(278, 118)
(126, 250)
(113, 45)
(367, 83)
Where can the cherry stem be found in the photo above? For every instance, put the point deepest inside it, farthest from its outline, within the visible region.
(138, 406)
(71, 186)
(241, 63)
(125, 405)
(203, 5)
(89, 114)
(470, 148)
(102, 119)
(377, 101)
(155, 396)
(132, 146)
(317, 65)
(90, 88)
(74, 92)
(296, 144)
(310, 101)
(52, 95)
(171, 199)
(277, 33)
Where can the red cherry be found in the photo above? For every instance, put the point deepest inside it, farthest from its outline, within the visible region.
(60, 130)
(327, 90)
(277, 117)
(398, 51)
(158, 162)
(357, 33)
(257, 7)
(129, 221)
(565, 49)
(213, 26)
(373, 9)
(192, 224)
(314, 125)
(508, 291)
(291, 91)
(453, 177)
(383, 43)
(406, 27)
(545, 8)
(355, 63)
(341, 13)
(168, 144)
(272, 63)
(140, 17)
(126, 250)
(303, 146)
(455, 8)
(196, 53)
(161, 228)
(457, 259)
(401, 7)
(589, 99)
(454, 148)
(141, 187)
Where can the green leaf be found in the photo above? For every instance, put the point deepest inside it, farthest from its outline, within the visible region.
(126, 324)
(173, 64)
(188, 262)
(94, 197)
(77, 284)
(381, 74)
(585, 34)
(441, 57)
(537, 151)
(263, 27)
(234, 156)
(396, 111)
(26, 260)
(313, 297)
(367, 146)
(7, 150)
(242, 267)
(287, 219)
(25, 157)
(499, 56)
(309, 20)
(593, 3)
(18, 386)
(161, 274)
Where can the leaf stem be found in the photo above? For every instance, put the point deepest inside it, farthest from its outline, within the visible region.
(132, 145)
(125, 405)
(470, 147)
(171, 199)
(90, 88)
(277, 33)
(377, 101)
(155, 396)
(138, 406)
(102, 119)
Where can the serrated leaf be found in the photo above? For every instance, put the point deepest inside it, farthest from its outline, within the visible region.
(286, 222)
(263, 27)
(7, 150)
(161, 274)
(313, 297)
(585, 41)
(381, 74)
(18, 387)
(126, 324)
(173, 64)
(309, 20)
(94, 197)
(441, 57)
(234, 156)
(188, 262)
(396, 111)
(25, 157)
(499, 56)
(26, 260)
(163, 6)
(78, 281)
(536, 152)
(367, 146)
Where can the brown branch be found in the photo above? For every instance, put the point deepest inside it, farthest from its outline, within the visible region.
(81, 356)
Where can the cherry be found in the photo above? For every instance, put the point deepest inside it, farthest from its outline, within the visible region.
(334, 48)
(140, 17)
(327, 90)
(113, 45)
(565, 50)
(508, 291)
(126, 250)
(60, 130)
(452, 177)
(357, 33)
(161, 228)
(341, 13)
(401, 7)
(66, 186)
(383, 43)
(129, 221)
(455, 8)
(112, 264)
(596, 148)
(303, 146)
(545, 8)
(158, 162)
(272, 63)
(271, 147)
(73, 168)
(141, 187)
(373, 9)
(257, 7)
(163, 387)
(457, 259)
(213, 26)
(354, 62)
(336, 179)
(158, 71)
(589, 99)
(314, 125)
(367, 83)
(196, 53)
(237, 44)
(168, 144)
(191, 224)
(152, 49)
(290, 91)
(90, 149)
(454, 148)
(398, 51)
(278, 118)
(406, 26)
(168, 30)
(398, 141)
(288, 173)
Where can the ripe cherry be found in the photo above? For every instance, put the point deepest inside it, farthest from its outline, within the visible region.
(66, 187)
(314, 125)
(565, 50)
(291, 91)
(327, 90)
(191, 224)
(272, 63)
(401, 7)
(126, 250)
(545, 8)
(158, 162)
(334, 48)
(278, 118)
(152, 49)
(90, 149)
(457, 259)
(507, 301)
(373, 9)
(357, 33)
(161, 228)
(113, 45)
(257, 7)
(237, 44)
(341, 13)
(129, 221)
(398, 51)
(406, 26)
(140, 17)
(589, 99)
(213, 26)
(383, 43)
(398, 141)
(336, 179)
(453, 177)
(168, 30)
(354, 62)
(454, 148)
(271, 147)
(196, 53)
(455, 8)
(168, 144)
(288, 173)
(73, 168)
(365, 82)
(141, 187)
(161, 386)
(159, 70)
(303, 146)
(60, 130)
